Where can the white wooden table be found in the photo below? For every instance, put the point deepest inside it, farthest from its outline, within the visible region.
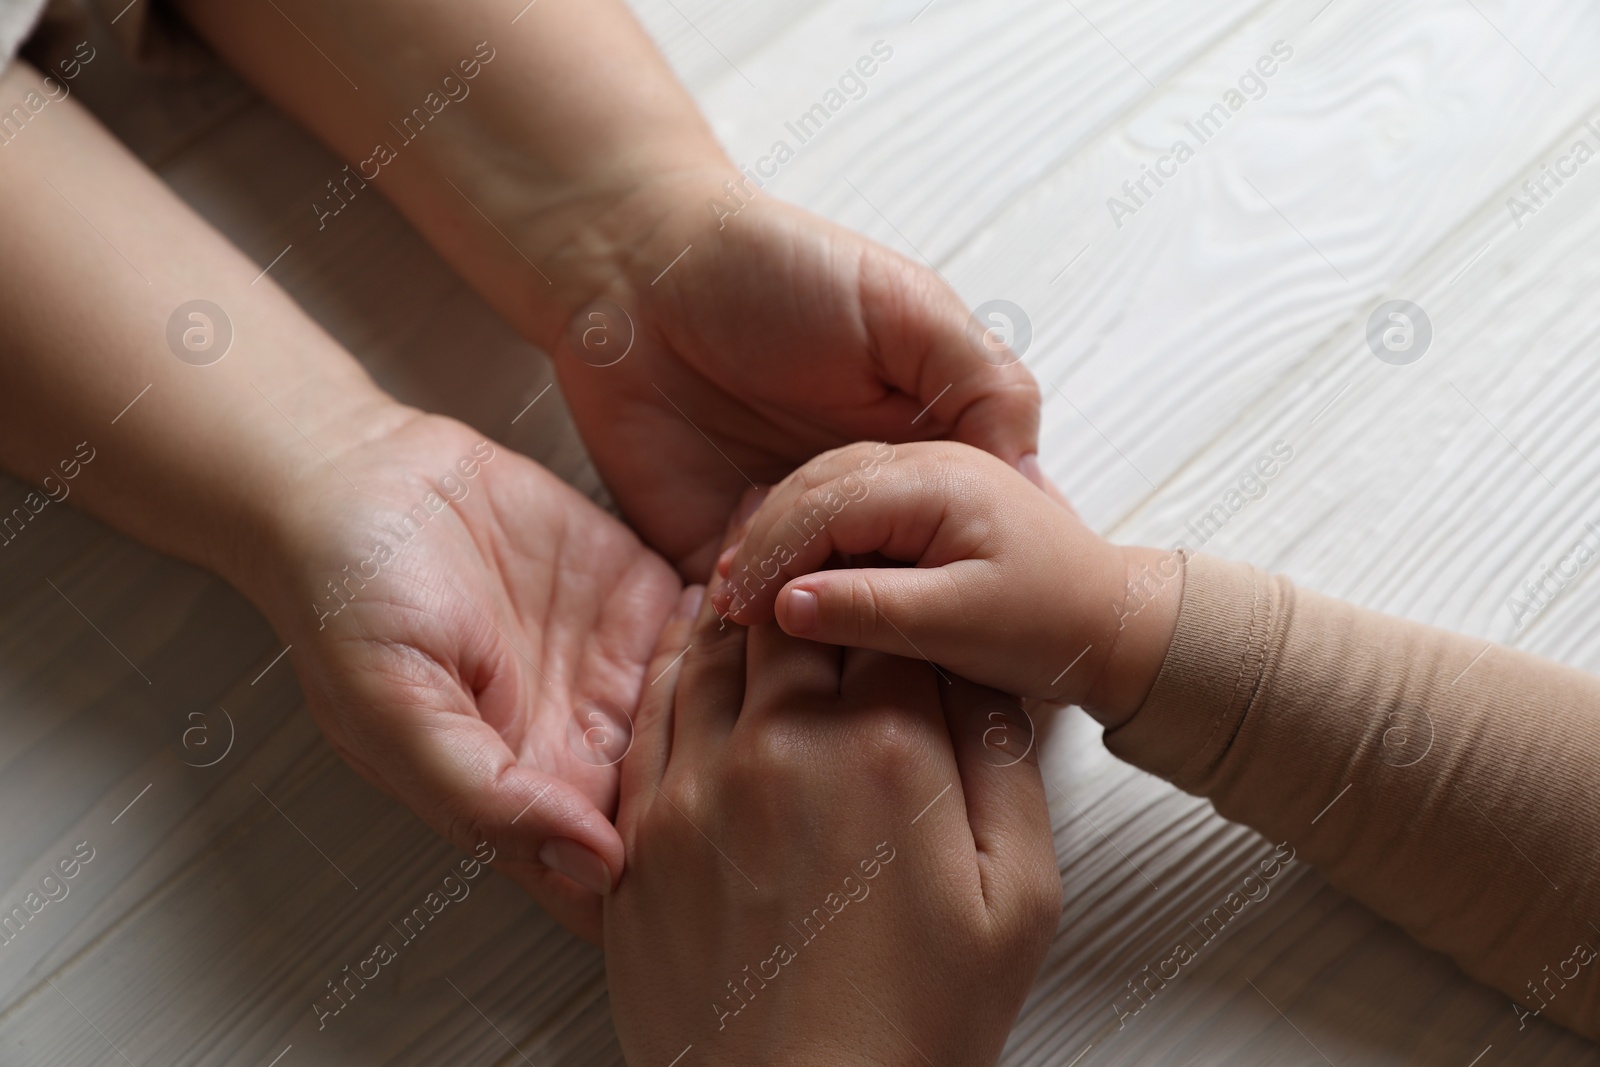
(1226, 312)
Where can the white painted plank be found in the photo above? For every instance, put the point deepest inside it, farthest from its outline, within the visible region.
(1424, 491)
(1192, 341)
(977, 102)
(1388, 126)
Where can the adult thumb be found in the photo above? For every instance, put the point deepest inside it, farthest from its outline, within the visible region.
(544, 832)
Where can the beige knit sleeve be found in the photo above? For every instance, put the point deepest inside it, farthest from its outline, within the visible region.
(1451, 785)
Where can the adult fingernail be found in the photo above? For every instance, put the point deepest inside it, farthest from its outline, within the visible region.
(689, 603)
(800, 616)
(1028, 467)
(578, 863)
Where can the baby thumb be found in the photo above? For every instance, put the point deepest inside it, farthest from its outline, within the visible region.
(905, 611)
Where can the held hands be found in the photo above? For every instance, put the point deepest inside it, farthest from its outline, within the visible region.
(471, 635)
(834, 857)
(1007, 585)
(774, 337)
(465, 674)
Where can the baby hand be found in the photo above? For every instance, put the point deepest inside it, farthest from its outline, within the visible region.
(1006, 587)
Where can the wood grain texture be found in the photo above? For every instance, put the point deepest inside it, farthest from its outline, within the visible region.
(978, 102)
(1226, 313)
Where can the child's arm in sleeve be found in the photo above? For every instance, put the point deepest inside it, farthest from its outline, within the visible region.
(1447, 783)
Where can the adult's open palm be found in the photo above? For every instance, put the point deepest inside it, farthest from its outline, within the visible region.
(484, 668)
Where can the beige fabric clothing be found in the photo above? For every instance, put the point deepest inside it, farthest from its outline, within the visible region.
(1472, 772)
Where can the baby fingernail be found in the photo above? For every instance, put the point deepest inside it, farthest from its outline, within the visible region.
(725, 561)
(800, 616)
(578, 863)
(1028, 467)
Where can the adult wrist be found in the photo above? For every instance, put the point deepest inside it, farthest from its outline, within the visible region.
(613, 237)
(541, 231)
(270, 524)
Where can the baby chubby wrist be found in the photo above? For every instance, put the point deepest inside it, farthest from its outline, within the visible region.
(1145, 620)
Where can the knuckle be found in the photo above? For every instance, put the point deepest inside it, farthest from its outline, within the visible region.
(776, 746)
(772, 761)
(816, 472)
(863, 619)
(892, 743)
(815, 508)
(862, 460)
(684, 803)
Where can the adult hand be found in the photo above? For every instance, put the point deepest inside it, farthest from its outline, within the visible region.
(776, 336)
(472, 636)
(470, 632)
(833, 857)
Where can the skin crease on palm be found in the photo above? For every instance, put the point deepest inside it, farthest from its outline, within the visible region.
(521, 602)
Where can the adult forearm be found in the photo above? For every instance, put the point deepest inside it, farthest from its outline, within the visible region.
(191, 453)
(1445, 782)
(516, 139)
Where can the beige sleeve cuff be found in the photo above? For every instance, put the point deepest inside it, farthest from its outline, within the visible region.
(1446, 783)
(1212, 671)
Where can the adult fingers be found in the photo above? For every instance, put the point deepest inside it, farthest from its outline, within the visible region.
(900, 745)
(783, 671)
(967, 373)
(711, 683)
(646, 761)
(456, 771)
(997, 753)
